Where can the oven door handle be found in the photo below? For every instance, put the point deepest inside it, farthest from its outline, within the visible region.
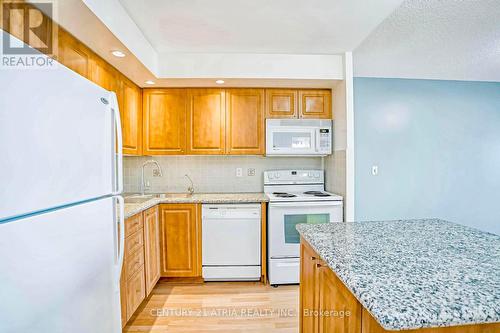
(306, 204)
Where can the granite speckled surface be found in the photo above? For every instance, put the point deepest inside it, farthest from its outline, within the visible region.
(134, 208)
(414, 273)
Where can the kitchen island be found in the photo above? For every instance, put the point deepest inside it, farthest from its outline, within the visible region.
(413, 275)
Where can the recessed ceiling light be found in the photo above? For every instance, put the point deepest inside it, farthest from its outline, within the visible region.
(219, 81)
(149, 82)
(118, 54)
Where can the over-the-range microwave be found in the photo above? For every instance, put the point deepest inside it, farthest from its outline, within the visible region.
(298, 137)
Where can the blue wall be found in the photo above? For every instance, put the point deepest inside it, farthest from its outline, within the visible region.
(437, 146)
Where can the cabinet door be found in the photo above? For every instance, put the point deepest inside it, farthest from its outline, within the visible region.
(152, 248)
(164, 118)
(245, 121)
(281, 103)
(343, 308)
(206, 121)
(136, 291)
(130, 103)
(315, 104)
(73, 54)
(308, 290)
(103, 74)
(180, 240)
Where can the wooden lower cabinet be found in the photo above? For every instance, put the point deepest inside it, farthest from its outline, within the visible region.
(327, 306)
(180, 240)
(141, 265)
(136, 290)
(151, 247)
(308, 289)
(341, 309)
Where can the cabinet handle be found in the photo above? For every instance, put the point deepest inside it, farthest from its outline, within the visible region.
(319, 265)
(313, 258)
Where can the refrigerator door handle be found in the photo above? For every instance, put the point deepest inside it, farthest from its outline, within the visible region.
(120, 227)
(119, 146)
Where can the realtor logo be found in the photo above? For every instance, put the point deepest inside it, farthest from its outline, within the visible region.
(31, 31)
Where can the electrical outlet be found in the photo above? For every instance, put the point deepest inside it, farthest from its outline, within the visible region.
(251, 171)
(374, 170)
(239, 172)
(156, 173)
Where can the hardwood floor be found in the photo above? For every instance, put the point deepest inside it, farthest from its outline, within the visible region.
(218, 307)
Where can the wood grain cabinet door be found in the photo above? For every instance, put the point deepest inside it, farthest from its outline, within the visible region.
(180, 238)
(206, 122)
(245, 121)
(315, 104)
(308, 290)
(151, 248)
(73, 54)
(130, 104)
(136, 291)
(281, 103)
(344, 311)
(104, 75)
(164, 121)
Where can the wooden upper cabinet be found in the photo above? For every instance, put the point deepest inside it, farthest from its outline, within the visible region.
(164, 121)
(73, 54)
(130, 102)
(206, 121)
(315, 104)
(281, 103)
(180, 240)
(104, 75)
(245, 121)
(151, 248)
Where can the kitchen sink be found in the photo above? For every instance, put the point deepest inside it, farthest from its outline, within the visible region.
(176, 195)
(138, 198)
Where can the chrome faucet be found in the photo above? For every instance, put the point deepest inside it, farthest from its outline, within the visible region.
(190, 188)
(160, 173)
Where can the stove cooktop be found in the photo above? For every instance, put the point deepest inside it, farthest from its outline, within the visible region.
(303, 196)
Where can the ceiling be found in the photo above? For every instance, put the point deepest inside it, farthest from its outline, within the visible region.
(258, 26)
(435, 39)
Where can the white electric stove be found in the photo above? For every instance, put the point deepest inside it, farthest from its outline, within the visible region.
(295, 196)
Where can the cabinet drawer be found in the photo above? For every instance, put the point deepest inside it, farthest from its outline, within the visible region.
(132, 224)
(134, 242)
(136, 291)
(134, 262)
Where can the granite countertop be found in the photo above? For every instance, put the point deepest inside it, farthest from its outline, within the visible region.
(214, 198)
(413, 274)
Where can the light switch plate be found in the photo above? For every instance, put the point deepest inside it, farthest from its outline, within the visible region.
(374, 170)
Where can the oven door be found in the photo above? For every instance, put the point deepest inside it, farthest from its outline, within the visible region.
(284, 240)
(291, 141)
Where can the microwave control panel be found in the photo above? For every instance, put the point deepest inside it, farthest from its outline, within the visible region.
(325, 139)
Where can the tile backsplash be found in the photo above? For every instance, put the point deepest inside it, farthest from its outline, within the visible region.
(209, 173)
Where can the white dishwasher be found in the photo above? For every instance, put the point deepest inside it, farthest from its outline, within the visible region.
(231, 242)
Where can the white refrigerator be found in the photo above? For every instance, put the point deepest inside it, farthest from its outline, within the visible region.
(61, 213)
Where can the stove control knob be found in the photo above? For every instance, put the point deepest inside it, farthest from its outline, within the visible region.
(309, 175)
(277, 175)
(316, 175)
(271, 176)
